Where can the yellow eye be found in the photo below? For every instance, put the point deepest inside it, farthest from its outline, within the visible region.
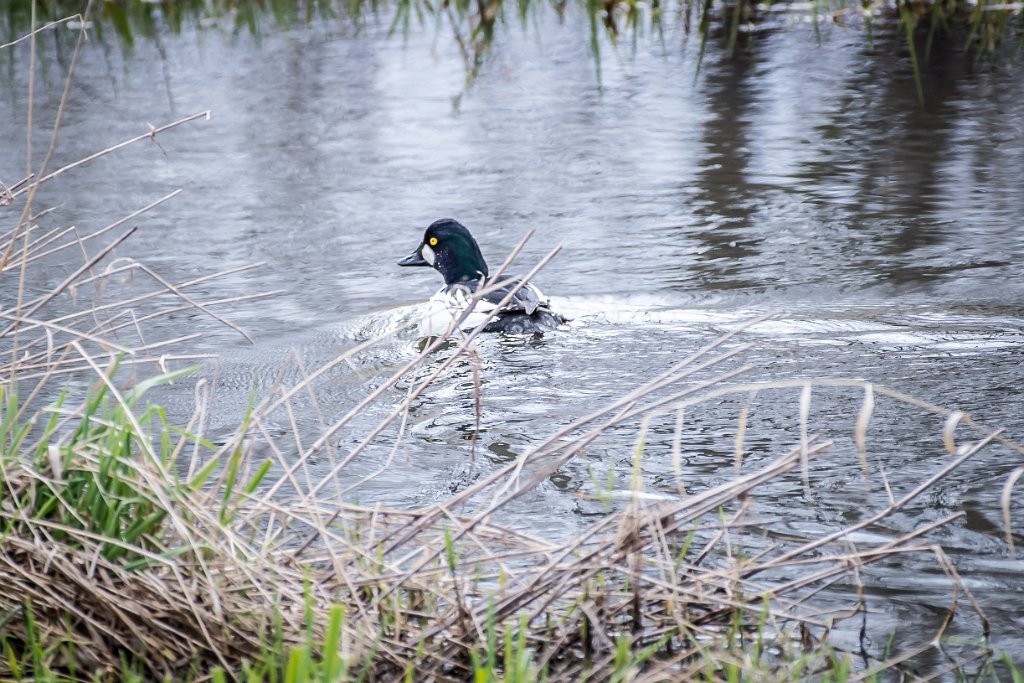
(433, 241)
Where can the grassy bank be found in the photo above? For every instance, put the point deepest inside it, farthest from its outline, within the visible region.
(133, 549)
(136, 547)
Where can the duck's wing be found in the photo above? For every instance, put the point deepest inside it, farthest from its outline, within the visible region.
(526, 300)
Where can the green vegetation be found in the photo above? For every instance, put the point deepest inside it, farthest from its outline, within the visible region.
(983, 28)
(136, 548)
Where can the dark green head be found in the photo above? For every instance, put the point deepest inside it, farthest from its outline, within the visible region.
(449, 248)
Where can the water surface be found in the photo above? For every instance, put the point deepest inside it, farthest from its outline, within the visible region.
(797, 178)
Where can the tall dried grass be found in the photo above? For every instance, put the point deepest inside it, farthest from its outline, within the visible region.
(111, 557)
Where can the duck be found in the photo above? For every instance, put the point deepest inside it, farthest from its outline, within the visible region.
(449, 248)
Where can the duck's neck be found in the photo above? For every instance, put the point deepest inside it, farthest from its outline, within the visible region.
(464, 263)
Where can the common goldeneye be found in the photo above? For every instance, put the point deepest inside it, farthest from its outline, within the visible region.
(448, 248)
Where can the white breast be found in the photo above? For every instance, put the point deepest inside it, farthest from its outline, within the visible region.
(445, 306)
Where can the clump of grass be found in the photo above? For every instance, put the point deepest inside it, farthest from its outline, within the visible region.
(99, 532)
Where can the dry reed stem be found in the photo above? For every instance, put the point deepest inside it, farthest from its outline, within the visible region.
(71, 278)
(622, 406)
(40, 29)
(1004, 502)
(56, 234)
(459, 351)
(148, 135)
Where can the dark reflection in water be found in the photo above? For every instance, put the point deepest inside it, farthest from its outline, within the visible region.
(723, 195)
(904, 169)
(793, 177)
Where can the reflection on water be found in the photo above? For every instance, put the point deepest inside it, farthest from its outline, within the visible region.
(798, 178)
(724, 195)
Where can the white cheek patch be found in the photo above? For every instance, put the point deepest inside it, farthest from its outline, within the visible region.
(428, 254)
